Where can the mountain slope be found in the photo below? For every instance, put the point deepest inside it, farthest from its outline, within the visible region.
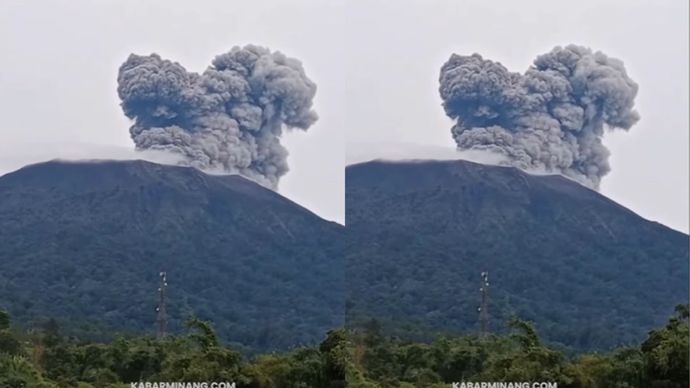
(85, 242)
(590, 273)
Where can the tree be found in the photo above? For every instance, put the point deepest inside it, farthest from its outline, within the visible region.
(666, 352)
(17, 372)
(336, 350)
(8, 343)
(4, 320)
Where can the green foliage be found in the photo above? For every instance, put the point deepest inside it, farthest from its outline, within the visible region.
(358, 359)
(591, 274)
(84, 242)
(18, 372)
(4, 320)
(383, 362)
(666, 351)
(9, 344)
(524, 358)
(205, 336)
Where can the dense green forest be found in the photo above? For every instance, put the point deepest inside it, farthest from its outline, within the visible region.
(591, 274)
(83, 243)
(44, 358)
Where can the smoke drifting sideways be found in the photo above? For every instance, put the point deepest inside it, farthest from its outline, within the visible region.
(227, 119)
(549, 119)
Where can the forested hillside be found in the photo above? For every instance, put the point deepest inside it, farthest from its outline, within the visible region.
(590, 273)
(44, 358)
(84, 242)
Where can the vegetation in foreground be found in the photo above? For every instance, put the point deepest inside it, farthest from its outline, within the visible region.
(419, 233)
(269, 273)
(43, 358)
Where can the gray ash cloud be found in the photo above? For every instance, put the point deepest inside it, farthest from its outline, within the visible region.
(551, 118)
(229, 118)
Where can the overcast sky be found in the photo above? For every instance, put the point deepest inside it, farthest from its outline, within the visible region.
(376, 65)
(392, 91)
(60, 60)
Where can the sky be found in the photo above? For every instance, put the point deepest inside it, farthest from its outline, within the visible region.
(392, 92)
(376, 64)
(60, 60)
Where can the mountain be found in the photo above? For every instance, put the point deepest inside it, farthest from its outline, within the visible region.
(589, 272)
(85, 241)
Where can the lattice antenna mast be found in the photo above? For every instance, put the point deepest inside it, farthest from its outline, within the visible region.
(162, 318)
(484, 306)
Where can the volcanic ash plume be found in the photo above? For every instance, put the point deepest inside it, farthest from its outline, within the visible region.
(229, 118)
(550, 119)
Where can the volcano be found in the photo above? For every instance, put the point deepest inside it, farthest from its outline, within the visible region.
(85, 242)
(588, 272)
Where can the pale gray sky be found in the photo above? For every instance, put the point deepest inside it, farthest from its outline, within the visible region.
(398, 48)
(60, 60)
(376, 64)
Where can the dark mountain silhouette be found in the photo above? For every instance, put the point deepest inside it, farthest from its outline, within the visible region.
(85, 242)
(590, 273)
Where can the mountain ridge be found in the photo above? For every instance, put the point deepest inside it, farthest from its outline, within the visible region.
(144, 164)
(85, 241)
(591, 273)
(507, 168)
